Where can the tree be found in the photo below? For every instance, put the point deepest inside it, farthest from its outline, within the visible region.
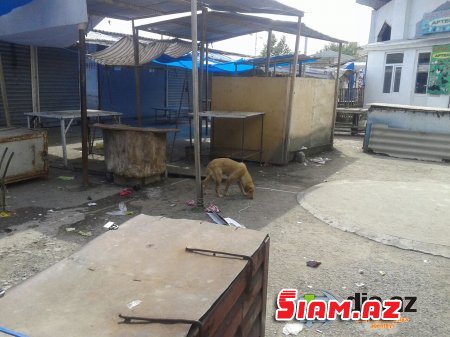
(277, 47)
(351, 48)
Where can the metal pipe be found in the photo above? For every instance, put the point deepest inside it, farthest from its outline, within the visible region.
(83, 103)
(336, 90)
(288, 119)
(35, 79)
(268, 51)
(137, 74)
(198, 175)
(202, 56)
(207, 80)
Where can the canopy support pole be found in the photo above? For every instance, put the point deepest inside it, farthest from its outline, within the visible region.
(202, 56)
(207, 80)
(198, 175)
(83, 103)
(294, 66)
(336, 95)
(137, 74)
(268, 51)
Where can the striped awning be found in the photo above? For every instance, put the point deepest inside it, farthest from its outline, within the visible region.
(121, 53)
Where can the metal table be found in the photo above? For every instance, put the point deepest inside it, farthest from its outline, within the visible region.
(69, 115)
(239, 115)
(167, 112)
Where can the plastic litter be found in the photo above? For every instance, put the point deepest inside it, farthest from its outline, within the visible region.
(218, 219)
(133, 304)
(382, 273)
(111, 225)
(121, 211)
(190, 203)
(83, 233)
(292, 329)
(313, 263)
(212, 208)
(70, 229)
(92, 204)
(5, 214)
(126, 192)
(360, 284)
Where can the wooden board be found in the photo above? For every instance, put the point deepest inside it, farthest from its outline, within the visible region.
(146, 260)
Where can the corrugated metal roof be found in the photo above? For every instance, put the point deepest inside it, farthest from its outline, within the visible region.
(410, 144)
(222, 26)
(137, 9)
(121, 53)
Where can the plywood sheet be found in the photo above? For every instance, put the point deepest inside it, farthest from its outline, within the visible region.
(145, 259)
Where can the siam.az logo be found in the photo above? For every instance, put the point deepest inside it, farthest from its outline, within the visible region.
(310, 307)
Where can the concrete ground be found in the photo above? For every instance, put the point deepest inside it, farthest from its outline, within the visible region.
(36, 236)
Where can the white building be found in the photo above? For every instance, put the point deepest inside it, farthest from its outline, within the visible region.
(409, 53)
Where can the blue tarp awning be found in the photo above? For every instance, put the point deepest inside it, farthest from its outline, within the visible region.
(7, 6)
(214, 66)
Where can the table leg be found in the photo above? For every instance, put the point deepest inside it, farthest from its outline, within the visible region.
(63, 140)
(261, 141)
(243, 133)
(190, 131)
(28, 122)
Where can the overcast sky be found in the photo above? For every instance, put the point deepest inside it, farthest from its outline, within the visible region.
(342, 19)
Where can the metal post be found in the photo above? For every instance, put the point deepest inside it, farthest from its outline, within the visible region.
(269, 51)
(291, 95)
(336, 90)
(83, 103)
(198, 175)
(207, 81)
(202, 56)
(35, 79)
(137, 74)
(4, 96)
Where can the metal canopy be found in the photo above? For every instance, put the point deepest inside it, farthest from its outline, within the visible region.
(222, 26)
(375, 4)
(139, 9)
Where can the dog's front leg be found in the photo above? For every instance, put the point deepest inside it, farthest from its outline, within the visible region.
(242, 188)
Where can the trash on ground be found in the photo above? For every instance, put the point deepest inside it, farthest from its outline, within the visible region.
(2, 292)
(317, 160)
(111, 225)
(85, 233)
(212, 208)
(133, 304)
(382, 273)
(426, 261)
(92, 204)
(361, 271)
(121, 211)
(126, 192)
(5, 214)
(173, 205)
(70, 229)
(313, 263)
(303, 148)
(218, 219)
(292, 329)
(66, 178)
(360, 284)
(190, 203)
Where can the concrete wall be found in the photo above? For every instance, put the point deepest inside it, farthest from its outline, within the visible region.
(311, 122)
(402, 16)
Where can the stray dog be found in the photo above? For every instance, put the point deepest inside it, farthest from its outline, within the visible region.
(236, 173)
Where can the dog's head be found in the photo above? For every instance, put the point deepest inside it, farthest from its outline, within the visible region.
(249, 190)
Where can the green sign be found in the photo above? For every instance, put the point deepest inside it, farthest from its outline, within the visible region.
(439, 75)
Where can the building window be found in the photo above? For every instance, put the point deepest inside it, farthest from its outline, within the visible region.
(385, 33)
(423, 64)
(393, 73)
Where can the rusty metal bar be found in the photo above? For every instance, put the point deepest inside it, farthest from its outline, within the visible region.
(83, 103)
(35, 93)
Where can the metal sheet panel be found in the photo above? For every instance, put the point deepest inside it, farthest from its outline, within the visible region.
(58, 79)
(17, 69)
(176, 81)
(409, 144)
(30, 153)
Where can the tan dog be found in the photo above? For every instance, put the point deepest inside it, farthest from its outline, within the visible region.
(236, 173)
